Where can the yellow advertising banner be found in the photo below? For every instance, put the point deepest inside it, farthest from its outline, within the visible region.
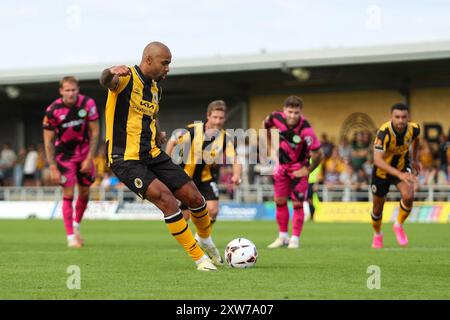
(425, 212)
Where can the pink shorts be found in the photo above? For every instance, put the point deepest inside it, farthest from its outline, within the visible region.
(70, 173)
(287, 185)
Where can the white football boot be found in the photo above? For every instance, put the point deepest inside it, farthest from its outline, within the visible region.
(211, 250)
(206, 265)
(278, 243)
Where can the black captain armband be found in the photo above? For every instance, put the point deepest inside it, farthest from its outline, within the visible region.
(377, 147)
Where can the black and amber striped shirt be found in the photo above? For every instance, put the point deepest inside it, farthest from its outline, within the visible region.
(202, 156)
(395, 146)
(131, 111)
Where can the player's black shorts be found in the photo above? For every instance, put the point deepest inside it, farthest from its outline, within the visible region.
(380, 186)
(310, 191)
(138, 174)
(209, 190)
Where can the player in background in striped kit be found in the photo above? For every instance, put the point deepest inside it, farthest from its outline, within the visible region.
(200, 149)
(393, 165)
(133, 143)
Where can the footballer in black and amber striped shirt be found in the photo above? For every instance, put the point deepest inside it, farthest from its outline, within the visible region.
(211, 143)
(134, 153)
(392, 165)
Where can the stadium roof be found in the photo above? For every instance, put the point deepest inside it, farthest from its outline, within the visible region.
(262, 61)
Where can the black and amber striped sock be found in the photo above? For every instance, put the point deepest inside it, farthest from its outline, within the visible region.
(180, 230)
(403, 213)
(376, 222)
(200, 217)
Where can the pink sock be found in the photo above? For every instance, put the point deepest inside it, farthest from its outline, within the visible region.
(297, 220)
(80, 207)
(283, 217)
(67, 211)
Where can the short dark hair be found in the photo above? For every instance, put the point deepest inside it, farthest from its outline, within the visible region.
(293, 101)
(70, 79)
(400, 106)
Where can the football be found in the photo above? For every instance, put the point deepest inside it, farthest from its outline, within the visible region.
(241, 253)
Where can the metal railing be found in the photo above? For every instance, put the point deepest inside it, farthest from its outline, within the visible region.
(242, 194)
(343, 193)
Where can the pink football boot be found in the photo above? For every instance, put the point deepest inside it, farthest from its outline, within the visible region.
(402, 239)
(377, 242)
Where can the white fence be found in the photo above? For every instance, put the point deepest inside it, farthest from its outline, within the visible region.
(242, 194)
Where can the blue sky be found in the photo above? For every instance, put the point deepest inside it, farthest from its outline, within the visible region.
(55, 33)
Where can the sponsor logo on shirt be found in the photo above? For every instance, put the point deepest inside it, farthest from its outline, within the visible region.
(73, 123)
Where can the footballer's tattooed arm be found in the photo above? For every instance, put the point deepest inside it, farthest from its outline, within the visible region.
(50, 147)
(93, 142)
(93, 138)
(161, 137)
(110, 77)
(49, 136)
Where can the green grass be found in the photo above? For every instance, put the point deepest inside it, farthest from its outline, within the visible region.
(139, 260)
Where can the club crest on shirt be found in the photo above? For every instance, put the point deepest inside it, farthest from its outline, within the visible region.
(296, 139)
(82, 113)
(138, 183)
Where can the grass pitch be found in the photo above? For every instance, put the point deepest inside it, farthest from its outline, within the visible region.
(140, 260)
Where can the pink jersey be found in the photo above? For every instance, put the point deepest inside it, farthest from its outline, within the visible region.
(71, 126)
(296, 142)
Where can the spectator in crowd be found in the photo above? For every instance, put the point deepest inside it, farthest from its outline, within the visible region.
(40, 164)
(101, 169)
(345, 150)
(30, 166)
(327, 146)
(366, 138)
(360, 151)
(110, 181)
(18, 167)
(333, 168)
(347, 175)
(347, 178)
(253, 150)
(46, 176)
(242, 153)
(263, 172)
(425, 154)
(7, 160)
(443, 155)
(225, 175)
(427, 175)
(361, 184)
